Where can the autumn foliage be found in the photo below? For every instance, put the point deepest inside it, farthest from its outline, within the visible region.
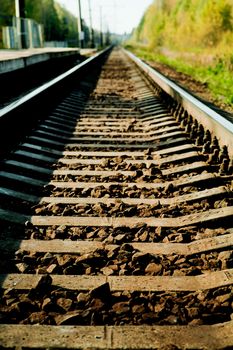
(194, 37)
(183, 24)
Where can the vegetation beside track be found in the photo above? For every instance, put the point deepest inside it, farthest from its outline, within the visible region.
(194, 37)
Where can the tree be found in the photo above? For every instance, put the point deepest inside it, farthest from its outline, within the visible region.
(59, 24)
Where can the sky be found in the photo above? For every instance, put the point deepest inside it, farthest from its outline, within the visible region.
(119, 16)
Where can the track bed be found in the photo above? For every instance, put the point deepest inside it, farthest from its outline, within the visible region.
(116, 225)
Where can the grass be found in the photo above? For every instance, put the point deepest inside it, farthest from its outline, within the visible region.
(217, 76)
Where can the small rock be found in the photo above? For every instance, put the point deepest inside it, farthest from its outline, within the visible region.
(159, 308)
(64, 303)
(102, 292)
(82, 298)
(141, 257)
(23, 306)
(107, 271)
(28, 224)
(180, 261)
(127, 247)
(64, 260)
(51, 268)
(96, 304)
(61, 231)
(138, 173)
(71, 270)
(122, 272)
(70, 318)
(55, 209)
(169, 188)
(50, 234)
(121, 308)
(22, 267)
(201, 296)
(138, 309)
(179, 238)
(41, 271)
(90, 235)
(109, 239)
(153, 269)
(143, 237)
(10, 301)
(194, 271)
(154, 171)
(29, 259)
(37, 318)
(196, 322)
(178, 273)
(221, 299)
(47, 305)
(149, 317)
(193, 312)
(119, 238)
(47, 258)
(88, 271)
(224, 257)
(102, 233)
(39, 211)
(113, 267)
(43, 286)
(171, 320)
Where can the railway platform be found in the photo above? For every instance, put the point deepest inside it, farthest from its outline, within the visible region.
(12, 60)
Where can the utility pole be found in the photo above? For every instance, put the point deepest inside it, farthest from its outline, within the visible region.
(92, 39)
(20, 8)
(108, 40)
(101, 29)
(20, 23)
(17, 11)
(80, 26)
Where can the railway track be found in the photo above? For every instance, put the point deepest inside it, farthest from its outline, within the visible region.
(116, 220)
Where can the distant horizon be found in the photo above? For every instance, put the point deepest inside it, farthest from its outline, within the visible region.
(118, 16)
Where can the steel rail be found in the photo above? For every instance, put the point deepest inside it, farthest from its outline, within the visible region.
(12, 106)
(211, 120)
(25, 112)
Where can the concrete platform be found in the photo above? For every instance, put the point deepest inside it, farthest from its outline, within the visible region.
(11, 60)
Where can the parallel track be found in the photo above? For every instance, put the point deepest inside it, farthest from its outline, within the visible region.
(116, 223)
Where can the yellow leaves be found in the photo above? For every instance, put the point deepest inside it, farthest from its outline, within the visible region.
(185, 23)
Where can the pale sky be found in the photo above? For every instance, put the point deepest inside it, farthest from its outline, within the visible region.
(119, 16)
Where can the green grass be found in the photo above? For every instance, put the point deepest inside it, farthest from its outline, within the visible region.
(217, 77)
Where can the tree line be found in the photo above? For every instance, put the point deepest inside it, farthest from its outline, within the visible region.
(181, 24)
(58, 23)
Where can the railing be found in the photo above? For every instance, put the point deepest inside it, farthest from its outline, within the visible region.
(24, 33)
